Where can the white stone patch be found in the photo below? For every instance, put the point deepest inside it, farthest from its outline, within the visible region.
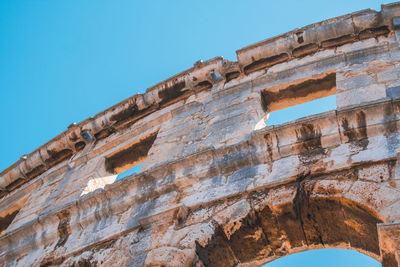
(260, 124)
(96, 183)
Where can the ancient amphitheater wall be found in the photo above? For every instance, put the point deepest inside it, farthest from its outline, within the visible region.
(219, 187)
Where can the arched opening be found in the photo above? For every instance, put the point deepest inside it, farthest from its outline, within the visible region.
(302, 223)
(326, 258)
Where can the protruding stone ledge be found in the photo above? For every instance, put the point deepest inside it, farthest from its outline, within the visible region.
(296, 44)
(327, 34)
(176, 212)
(240, 155)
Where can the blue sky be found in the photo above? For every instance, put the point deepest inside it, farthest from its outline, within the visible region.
(63, 61)
(325, 258)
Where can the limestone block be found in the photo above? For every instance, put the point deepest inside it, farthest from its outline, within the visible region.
(378, 52)
(388, 75)
(229, 131)
(31, 210)
(376, 173)
(281, 171)
(199, 233)
(356, 82)
(378, 196)
(215, 190)
(198, 216)
(275, 198)
(370, 42)
(395, 53)
(391, 213)
(332, 188)
(378, 147)
(233, 213)
(303, 62)
(170, 257)
(360, 95)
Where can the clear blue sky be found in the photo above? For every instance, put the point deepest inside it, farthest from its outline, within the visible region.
(63, 61)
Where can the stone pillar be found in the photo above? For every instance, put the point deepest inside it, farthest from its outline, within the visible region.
(389, 243)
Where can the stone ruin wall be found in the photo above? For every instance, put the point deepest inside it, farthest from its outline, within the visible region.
(217, 186)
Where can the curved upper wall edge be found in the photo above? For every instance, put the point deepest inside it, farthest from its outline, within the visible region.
(291, 45)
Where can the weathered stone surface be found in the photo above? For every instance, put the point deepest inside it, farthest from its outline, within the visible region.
(218, 187)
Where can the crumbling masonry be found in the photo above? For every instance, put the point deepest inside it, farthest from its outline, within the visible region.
(217, 186)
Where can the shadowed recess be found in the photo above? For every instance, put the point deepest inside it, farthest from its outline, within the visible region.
(298, 92)
(274, 232)
(130, 156)
(7, 216)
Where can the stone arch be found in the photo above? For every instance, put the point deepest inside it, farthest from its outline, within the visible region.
(305, 215)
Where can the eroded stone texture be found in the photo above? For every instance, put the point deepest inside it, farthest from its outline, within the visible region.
(217, 187)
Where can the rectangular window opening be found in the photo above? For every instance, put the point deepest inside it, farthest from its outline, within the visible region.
(301, 98)
(302, 110)
(129, 160)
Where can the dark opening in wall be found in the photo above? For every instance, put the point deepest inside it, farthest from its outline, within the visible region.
(8, 215)
(128, 159)
(300, 98)
(6, 221)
